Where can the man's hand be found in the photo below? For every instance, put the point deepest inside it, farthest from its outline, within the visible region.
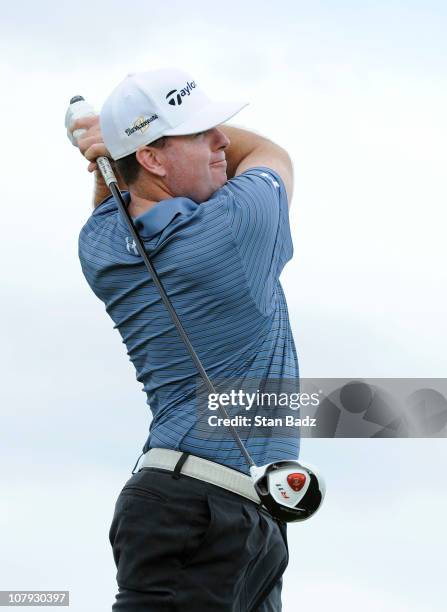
(90, 143)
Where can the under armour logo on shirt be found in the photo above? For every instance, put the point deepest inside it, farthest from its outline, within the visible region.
(270, 177)
(131, 246)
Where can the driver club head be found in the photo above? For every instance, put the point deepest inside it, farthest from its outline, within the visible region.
(289, 490)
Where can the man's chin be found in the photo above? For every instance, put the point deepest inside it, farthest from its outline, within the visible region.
(216, 185)
(222, 182)
(224, 178)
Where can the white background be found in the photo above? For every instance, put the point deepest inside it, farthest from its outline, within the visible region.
(356, 92)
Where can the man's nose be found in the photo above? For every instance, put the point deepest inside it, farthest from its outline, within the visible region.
(221, 141)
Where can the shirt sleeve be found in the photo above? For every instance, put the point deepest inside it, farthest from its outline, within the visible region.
(259, 221)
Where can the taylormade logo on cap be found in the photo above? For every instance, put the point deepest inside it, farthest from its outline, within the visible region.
(186, 91)
(166, 102)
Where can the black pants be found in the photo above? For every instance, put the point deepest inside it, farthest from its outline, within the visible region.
(183, 545)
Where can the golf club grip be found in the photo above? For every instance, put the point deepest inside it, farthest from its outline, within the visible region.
(106, 170)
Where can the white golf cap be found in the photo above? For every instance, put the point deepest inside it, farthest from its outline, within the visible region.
(149, 105)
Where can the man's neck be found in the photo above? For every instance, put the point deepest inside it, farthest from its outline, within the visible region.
(139, 204)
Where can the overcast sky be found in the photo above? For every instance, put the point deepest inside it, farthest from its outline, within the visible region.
(356, 91)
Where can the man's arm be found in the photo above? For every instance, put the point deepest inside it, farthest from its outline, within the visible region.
(248, 150)
(101, 191)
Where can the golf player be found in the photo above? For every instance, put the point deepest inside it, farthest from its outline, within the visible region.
(210, 203)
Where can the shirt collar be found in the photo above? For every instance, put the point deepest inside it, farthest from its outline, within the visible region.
(157, 218)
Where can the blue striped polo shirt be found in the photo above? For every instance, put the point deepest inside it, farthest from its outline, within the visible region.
(220, 263)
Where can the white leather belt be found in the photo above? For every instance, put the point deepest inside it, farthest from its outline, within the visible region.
(202, 469)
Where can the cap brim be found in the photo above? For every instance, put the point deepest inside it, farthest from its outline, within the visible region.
(209, 116)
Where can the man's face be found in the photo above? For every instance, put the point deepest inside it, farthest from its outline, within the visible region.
(195, 165)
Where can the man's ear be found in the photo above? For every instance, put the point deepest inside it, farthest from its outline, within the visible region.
(152, 160)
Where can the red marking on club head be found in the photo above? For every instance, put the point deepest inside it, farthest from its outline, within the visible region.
(296, 481)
